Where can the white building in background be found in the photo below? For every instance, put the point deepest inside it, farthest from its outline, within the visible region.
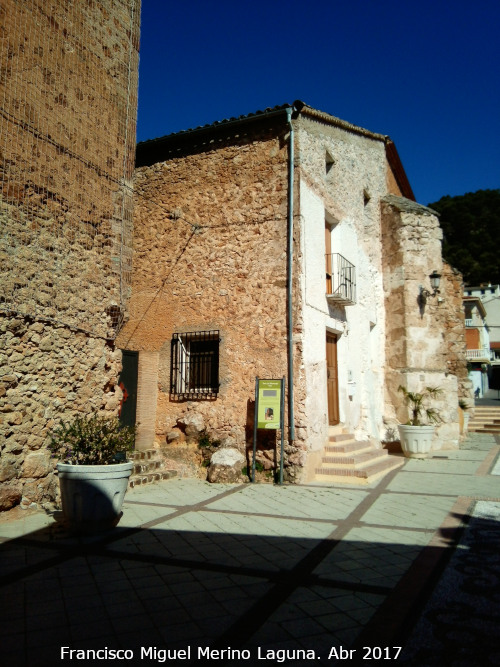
(484, 359)
(477, 340)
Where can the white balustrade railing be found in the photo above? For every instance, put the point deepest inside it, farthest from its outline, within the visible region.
(479, 355)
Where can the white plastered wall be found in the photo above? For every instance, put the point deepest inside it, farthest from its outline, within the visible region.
(360, 345)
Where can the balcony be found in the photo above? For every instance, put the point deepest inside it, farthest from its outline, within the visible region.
(482, 355)
(469, 322)
(340, 280)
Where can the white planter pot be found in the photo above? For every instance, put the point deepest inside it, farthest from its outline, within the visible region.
(92, 495)
(416, 440)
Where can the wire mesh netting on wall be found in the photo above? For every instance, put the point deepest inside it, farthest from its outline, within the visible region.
(68, 101)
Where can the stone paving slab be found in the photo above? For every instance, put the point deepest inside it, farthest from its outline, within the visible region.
(305, 502)
(445, 484)
(395, 509)
(260, 568)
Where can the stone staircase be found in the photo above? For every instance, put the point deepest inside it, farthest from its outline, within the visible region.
(349, 461)
(149, 466)
(486, 420)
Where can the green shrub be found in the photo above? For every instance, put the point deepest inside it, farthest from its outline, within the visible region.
(205, 440)
(92, 440)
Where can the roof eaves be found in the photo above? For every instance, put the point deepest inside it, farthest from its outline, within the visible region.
(153, 149)
(156, 150)
(476, 300)
(407, 205)
(306, 110)
(398, 170)
(390, 149)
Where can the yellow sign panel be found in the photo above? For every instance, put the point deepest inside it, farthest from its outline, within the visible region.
(269, 402)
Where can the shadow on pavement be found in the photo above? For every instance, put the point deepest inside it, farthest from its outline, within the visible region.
(165, 595)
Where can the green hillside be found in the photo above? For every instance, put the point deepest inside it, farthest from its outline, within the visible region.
(471, 226)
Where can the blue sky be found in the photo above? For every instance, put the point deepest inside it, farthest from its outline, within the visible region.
(424, 72)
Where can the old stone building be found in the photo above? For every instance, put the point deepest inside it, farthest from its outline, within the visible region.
(68, 89)
(286, 243)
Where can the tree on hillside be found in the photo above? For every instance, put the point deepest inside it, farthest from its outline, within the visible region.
(471, 226)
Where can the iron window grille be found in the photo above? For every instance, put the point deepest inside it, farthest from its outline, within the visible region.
(195, 364)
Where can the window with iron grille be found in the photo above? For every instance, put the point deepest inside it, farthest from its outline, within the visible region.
(195, 364)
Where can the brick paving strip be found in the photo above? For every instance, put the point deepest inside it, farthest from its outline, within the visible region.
(395, 618)
(488, 464)
(401, 603)
(83, 548)
(301, 575)
(284, 582)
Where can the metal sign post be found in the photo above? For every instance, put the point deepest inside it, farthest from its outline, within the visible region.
(269, 413)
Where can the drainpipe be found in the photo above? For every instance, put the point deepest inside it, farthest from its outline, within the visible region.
(291, 431)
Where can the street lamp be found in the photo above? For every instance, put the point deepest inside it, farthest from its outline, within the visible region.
(435, 279)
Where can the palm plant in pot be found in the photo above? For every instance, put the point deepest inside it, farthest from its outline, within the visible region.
(93, 470)
(416, 435)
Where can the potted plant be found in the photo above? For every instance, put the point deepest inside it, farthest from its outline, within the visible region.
(415, 436)
(93, 470)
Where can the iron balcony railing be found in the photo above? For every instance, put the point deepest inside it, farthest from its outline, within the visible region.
(340, 279)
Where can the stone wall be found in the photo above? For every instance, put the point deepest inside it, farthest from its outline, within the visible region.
(68, 86)
(210, 255)
(424, 337)
(48, 372)
(451, 317)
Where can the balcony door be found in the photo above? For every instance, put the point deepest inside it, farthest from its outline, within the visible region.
(328, 258)
(332, 379)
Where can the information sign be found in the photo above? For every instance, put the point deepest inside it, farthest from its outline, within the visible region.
(269, 404)
(269, 414)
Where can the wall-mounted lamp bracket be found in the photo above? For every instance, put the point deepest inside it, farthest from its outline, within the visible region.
(424, 294)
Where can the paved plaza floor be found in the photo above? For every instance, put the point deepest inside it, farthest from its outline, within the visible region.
(405, 570)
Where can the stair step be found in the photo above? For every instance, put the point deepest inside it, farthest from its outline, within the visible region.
(149, 467)
(486, 415)
(334, 430)
(364, 475)
(356, 447)
(144, 454)
(357, 461)
(148, 478)
(484, 422)
(146, 466)
(349, 461)
(341, 437)
(486, 429)
(486, 419)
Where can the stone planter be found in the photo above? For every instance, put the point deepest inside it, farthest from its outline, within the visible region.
(416, 440)
(92, 495)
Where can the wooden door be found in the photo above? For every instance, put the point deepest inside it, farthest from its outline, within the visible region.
(332, 379)
(128, 384)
